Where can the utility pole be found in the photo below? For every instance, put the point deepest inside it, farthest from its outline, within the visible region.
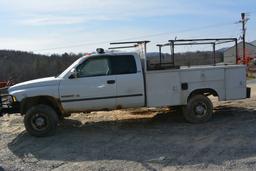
(243, 28)
(243, 21)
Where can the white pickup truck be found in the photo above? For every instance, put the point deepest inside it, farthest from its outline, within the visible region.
(120, 80)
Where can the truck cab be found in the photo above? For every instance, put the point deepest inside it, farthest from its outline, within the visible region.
(103, 81)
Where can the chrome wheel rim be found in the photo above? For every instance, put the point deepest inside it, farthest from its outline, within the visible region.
(39, 122)
(200, 109)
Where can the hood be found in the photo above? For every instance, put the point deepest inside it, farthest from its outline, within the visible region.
(49, 81)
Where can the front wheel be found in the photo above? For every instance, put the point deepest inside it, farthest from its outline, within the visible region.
(41, 121)
(198, 110)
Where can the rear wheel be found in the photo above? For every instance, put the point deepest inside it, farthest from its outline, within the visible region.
(41, 121)
(198, 110)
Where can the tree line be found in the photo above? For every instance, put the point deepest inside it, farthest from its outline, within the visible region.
(22, 66)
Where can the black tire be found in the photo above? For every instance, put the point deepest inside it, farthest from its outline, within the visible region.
(41, 121)
(198, 110)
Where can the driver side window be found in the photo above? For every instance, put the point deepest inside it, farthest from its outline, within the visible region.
(93, 67)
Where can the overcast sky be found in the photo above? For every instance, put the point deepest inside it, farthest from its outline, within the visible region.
(57, 26)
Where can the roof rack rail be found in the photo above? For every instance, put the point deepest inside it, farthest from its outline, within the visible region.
(130, 42)
(208, 41)
(123, 47)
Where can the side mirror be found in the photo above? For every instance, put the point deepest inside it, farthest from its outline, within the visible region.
(73, 74)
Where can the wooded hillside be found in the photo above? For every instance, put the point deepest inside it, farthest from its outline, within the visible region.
(23, 66)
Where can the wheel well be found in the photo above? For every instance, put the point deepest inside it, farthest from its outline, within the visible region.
(46, 100)
(205, 91)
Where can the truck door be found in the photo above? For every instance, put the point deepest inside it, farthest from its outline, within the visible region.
(129, 81)
(93, 89)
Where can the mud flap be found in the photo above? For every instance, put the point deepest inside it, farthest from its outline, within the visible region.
(1, 107)
(248, 92)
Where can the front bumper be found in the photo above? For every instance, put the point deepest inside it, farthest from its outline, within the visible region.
(8, 105)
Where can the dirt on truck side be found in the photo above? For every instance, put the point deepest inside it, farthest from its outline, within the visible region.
(139, 139)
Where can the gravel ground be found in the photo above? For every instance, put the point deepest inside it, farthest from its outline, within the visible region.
(141, 139)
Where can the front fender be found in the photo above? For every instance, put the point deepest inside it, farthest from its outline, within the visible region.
(35, 91)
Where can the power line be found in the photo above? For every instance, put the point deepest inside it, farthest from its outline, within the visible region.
(138, 37)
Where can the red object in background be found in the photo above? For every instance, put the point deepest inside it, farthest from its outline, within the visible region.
(246, 61)
(3, 84)
(6, 83)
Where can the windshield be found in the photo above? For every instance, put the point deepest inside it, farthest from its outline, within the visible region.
(70, 67)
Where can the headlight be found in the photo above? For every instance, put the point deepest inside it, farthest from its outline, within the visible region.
(14, 98)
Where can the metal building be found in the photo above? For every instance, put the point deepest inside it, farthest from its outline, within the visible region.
(229, 54)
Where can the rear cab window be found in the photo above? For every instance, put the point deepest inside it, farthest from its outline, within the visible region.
(123, 64)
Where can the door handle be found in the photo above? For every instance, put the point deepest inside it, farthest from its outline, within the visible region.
(111, 82)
